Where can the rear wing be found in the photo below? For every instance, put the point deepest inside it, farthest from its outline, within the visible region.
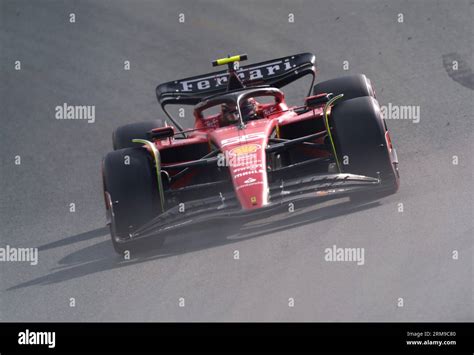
(275, 73)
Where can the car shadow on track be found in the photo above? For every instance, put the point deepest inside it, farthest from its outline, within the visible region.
(75, 239)
(100, 257)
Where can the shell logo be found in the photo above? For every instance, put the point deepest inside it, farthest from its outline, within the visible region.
(245, 149)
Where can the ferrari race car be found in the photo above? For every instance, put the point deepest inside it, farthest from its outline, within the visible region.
(248, 153)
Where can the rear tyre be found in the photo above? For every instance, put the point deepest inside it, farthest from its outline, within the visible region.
(131, 195)
(351, 86)
(359, 133)
(123, 135)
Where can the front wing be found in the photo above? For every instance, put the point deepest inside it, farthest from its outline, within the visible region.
(318, 188)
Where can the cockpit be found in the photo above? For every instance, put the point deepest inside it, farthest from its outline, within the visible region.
(239, 107)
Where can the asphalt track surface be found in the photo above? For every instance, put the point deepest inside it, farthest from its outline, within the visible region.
(407, 254)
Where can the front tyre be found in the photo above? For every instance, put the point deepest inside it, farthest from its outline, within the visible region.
(351, 86)
(131, 194)
(123, 135)
(362, 141)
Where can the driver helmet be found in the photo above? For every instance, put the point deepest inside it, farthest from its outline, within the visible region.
(229, 114)
(249, 109)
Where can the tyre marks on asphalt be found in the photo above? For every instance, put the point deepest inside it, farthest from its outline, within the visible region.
(459, 70)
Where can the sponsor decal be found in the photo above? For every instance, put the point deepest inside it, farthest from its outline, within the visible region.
(211, 123)
(245, 149)
(251, 172)
(250, 162)
(249, 180)
(325, 192)
(259, 72)
(269, 111)
(253, 200)
(249, 185)
(249, 167)
(244, 138)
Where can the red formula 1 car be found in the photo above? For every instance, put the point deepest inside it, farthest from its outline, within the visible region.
(248, 153)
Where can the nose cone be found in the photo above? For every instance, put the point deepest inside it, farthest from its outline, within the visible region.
(249, 175)
(244, 150)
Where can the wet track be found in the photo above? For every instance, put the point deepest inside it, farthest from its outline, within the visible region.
(407, 254)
